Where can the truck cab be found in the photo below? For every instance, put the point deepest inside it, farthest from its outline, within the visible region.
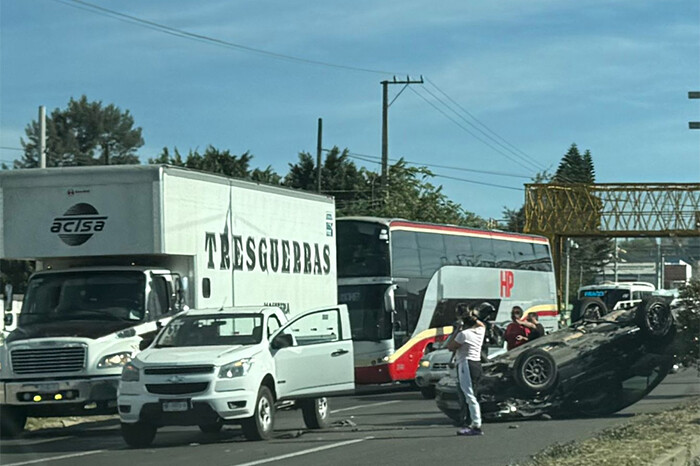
(82, 324)
(214, 366)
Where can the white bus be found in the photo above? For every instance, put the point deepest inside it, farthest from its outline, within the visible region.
(402, 281)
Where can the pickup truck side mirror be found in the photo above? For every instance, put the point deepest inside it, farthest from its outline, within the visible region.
(9, 318)
(145, 343)
(283, 340)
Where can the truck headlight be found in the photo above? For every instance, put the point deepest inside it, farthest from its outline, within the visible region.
(114, 360)
(236, 369)
(424, 363)
(130, 373)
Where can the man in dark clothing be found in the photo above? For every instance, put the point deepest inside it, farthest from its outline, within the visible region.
(538, 330)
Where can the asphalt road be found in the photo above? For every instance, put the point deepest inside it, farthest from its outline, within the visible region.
(385, 427)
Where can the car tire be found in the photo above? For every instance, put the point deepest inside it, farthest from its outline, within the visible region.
(535, 371)
(212, 427)
(316, 413)
(12, 420)
(139, 434)
(261, 424)
(654, 317)
(428, 392)
(589, 308)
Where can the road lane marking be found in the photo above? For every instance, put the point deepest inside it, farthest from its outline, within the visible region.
(300, 453)
(55, 458)
(363, 406)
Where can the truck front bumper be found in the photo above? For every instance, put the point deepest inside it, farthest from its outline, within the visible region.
(84, 391)
(148, 407)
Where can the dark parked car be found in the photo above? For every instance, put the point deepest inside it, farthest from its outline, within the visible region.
(592, 368)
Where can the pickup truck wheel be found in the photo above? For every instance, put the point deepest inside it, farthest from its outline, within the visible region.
(261, 424)
(12, 420)
(212, 427)
(138, 434)
(316, 413)
(428, 392)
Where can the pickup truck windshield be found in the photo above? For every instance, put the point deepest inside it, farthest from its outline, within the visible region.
(212, 330)
(84, 296)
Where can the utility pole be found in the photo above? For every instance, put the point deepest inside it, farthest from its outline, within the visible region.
(385, 123)
(694, 95)
(42, 137)
(318, 154)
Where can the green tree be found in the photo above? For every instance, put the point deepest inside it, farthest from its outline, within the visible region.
(85, 133)
(591, 255)
(340, 177)
(214, 160)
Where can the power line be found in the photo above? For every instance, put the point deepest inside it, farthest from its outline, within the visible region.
(483, 172)
(11, 148)
(509, 157)
(86, 6)
(437, 175)
(505, 141)
(487, 135)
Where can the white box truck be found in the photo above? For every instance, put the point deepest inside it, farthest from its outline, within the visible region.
(121, 249)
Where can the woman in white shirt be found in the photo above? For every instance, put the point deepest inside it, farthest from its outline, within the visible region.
(467, 347)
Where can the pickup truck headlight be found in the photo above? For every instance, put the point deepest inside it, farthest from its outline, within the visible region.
(130, 373)
(236, 369)
(424, 363)
(114, 360)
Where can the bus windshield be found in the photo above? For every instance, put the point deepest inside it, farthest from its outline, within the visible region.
(363, 249)
(368, 317)
(84, 296)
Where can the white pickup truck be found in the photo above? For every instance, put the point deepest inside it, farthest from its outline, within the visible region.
(209, 367)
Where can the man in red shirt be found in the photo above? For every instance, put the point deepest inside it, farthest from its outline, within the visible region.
(517, 331)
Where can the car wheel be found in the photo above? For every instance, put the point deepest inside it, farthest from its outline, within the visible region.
(212, 427)
(654, 317)
(138, 434)
(316, 413)
(590, 309)
(428, 392)
(12, 420)
(260, 425)
(536, 371)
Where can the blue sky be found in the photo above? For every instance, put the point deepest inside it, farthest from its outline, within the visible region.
(611, 76)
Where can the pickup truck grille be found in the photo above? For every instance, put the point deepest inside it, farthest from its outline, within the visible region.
(176, 388)
(179, 370)
(48, 360)
(441, 366)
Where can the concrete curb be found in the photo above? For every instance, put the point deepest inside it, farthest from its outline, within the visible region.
(681, 456)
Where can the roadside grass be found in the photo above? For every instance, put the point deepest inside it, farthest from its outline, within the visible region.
(38, 423)
(642, 440)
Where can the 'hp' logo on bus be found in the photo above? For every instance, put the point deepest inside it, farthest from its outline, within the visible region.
(507, 282)
(78, 224)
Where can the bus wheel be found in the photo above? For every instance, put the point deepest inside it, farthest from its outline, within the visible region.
(12, 420)
(316, 413)
(536, 371)
(260, 425)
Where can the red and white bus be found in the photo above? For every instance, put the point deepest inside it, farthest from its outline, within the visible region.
(402, 281)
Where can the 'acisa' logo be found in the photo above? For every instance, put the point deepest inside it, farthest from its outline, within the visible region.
(78, 224)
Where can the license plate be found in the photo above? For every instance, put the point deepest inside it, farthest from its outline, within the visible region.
(175, 406)
(46, 387)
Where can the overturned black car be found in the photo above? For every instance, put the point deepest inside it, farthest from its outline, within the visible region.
(592, 368)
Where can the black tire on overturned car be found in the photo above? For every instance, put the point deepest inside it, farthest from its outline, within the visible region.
(654, 317)
(535, 371)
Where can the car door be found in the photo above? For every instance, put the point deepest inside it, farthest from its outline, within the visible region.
(319, 359)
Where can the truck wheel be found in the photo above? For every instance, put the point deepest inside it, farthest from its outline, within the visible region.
(212, 427)
(589, 308)
(260, 425)
(139, 434)
(316, 413)
(536, 371)
(12, 420)
(428, 392)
